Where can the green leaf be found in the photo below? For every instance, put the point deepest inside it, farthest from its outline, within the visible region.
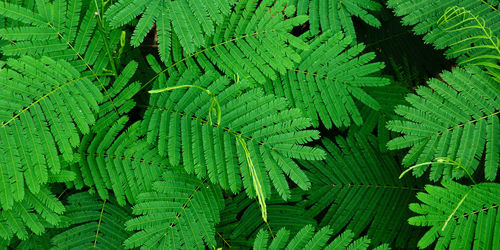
(180, 211)
(455, 119)
(459, 216)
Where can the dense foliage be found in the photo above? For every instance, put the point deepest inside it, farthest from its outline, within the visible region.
(298, 124)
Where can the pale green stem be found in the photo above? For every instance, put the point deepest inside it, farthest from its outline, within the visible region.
(455, 210)
(211, 109)
(255, 179)
(442, 160)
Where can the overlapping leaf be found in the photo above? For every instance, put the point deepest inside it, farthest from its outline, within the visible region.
(46, 104)
(469, 27)
(455, 119)
(357, 188)
(255, 141)
(60, 29)
(114, 156)
(460, 217)
(335, 16)
(92, 223)
(180, 212)
(331, 75)
(192, 21)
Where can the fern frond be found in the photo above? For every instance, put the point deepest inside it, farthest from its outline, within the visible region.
(257, 133)
(118, 159)
(241, 219)
(21, 14)
(60, 30)
(337, 16)
(357, 188)
(192, 21)
(478, 23)
(309, 238)
(120, 94)
(455, 119)
(92, 223)
(46, 104)
(460, 217)
(35, 213)
(332, 73)
(181, 212)
(257, 37)
(389, 97)
(254, 43)
(481, 47)
(114, 155)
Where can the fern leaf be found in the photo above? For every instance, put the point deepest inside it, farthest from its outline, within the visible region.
(146, 22)
(93, 223)
(124, 11)
(252, 42)
(450, 120)
(35, 213)
(478, 23)
(192, 21)
(21, 14)
(356, 187)
(181, 211)
(252, 125)
(60, 30)
(28, 33)
(459, 216)
(480, 46)
(335, 16)
(241, 219)
(307, 238)
(338, 79)
(121, 162)
(47, 105)
(113, 156)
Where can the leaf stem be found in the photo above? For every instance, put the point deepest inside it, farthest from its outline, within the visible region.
(442, 160)
(214, 105)
(455, 210)
(255, 179)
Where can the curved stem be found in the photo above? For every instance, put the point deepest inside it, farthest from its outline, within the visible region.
(216, 110)
(442, 160)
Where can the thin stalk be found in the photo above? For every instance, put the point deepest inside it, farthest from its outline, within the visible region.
(214, 105)
(100, 27)
(442, 160)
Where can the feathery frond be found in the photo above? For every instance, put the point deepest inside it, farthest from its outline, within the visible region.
(357, 188)
(185, 124)
(93, 223)
(46, 104)
(254, 42)
(118, 160)
(335, 15)
(192, 21)
(478, 22)
(330, 76)
(460, 217)
(455, 119)
(480, 46)
(181, 212)
(309, 238)
(35, 213)
(66, 30)
(252, 125)
(114, 156)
